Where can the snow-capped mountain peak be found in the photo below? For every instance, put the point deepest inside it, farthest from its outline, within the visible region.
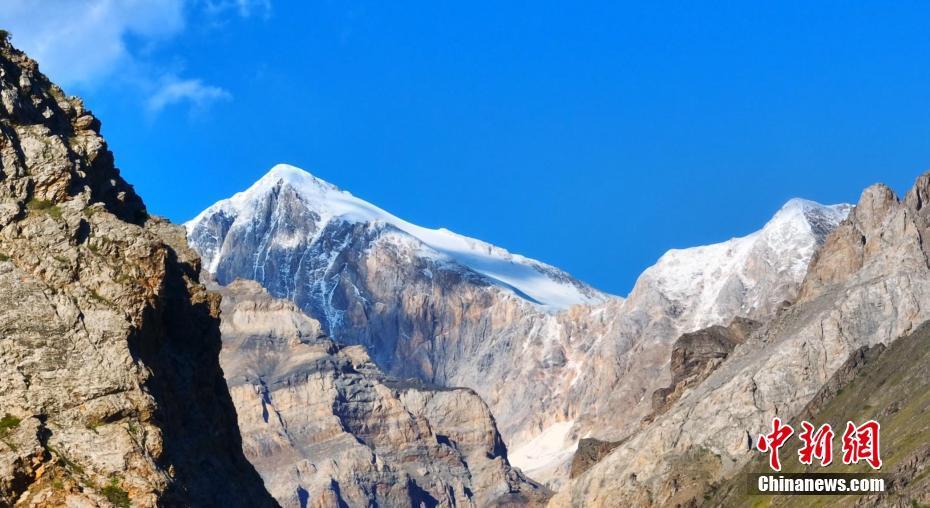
(743, 275)
(296, 177)
(533, 280)
(452, 310)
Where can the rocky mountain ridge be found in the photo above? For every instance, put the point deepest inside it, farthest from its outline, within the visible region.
(299, 208)
(550, 376)
(889, 384)
(865, 286)
(111, 391)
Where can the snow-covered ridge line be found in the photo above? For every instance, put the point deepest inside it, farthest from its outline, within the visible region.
(540, 283)
(699, 275)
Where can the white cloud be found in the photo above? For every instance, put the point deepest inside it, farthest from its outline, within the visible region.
(175, 90)
(83, 42)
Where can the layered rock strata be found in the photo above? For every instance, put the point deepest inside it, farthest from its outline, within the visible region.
(325, 427)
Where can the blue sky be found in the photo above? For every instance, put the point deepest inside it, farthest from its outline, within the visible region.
(590, 135)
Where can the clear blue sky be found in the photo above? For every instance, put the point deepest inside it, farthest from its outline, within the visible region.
(593, 137)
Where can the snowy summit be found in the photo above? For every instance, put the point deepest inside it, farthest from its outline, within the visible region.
(537, 282)
(706, 281)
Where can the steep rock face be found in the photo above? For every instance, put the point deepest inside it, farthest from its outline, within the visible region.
(554, 359)
(696, 354)
(110, 385)
(865, 287)
(325, 427)
(590, 451)
(890, 385)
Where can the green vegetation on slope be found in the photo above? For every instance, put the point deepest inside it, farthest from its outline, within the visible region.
(892, 388)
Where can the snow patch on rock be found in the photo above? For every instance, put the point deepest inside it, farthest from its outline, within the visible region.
(540, 456)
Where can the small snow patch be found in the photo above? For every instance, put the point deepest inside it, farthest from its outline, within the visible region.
(541, 456)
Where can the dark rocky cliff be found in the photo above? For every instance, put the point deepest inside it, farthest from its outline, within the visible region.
(110, 386)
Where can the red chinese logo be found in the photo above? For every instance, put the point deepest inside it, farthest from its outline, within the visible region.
(860, 443)
(773, 441)
(817, 445)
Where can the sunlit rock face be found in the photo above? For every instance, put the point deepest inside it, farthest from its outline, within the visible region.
(555, 359)
(864, 287)
(110, 385)
(325, 427)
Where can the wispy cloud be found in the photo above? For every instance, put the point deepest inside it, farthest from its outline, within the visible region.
(83, 43)
(245, 8)
(194, 91)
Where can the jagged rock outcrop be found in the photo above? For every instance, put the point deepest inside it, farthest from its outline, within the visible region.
(695, 355)
(554, 359)
(590, 451)
(866, 286)
(110, 386)
(325, 427)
